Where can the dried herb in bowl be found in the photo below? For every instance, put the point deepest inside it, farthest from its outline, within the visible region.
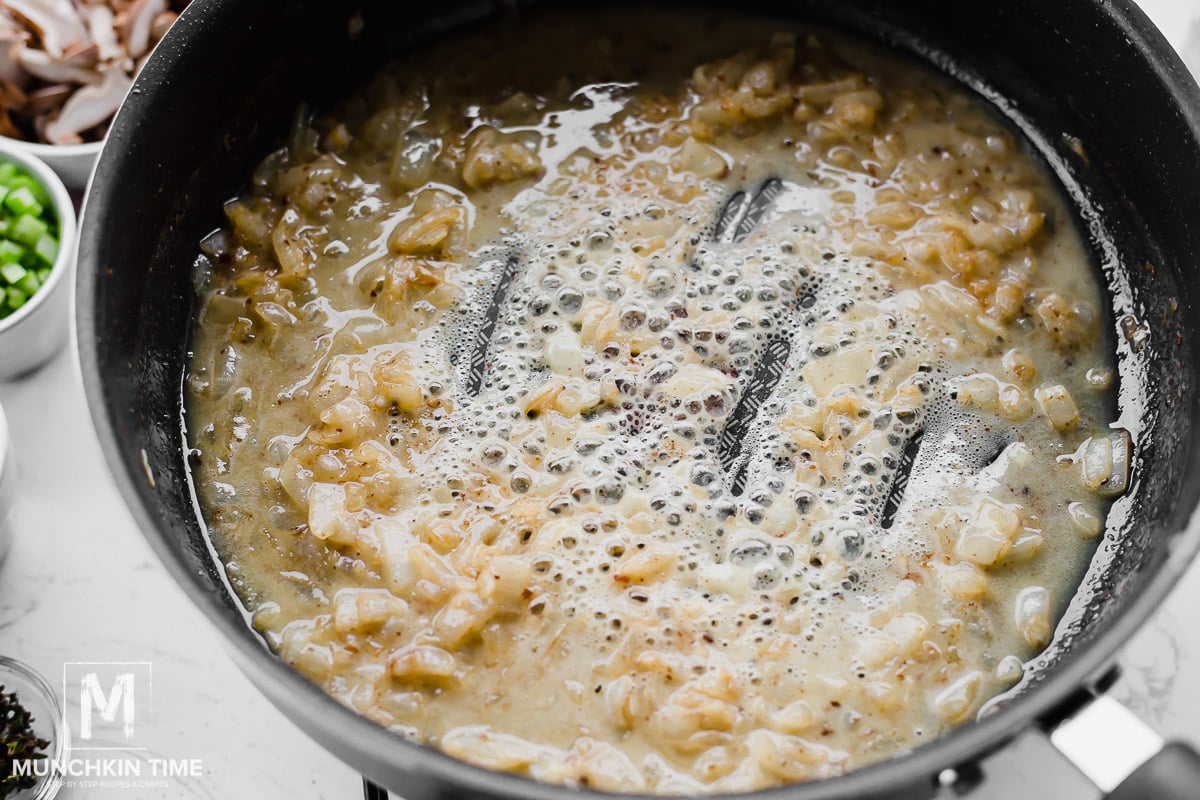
(17, 743)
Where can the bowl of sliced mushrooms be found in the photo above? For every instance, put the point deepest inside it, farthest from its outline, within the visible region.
(65, 67)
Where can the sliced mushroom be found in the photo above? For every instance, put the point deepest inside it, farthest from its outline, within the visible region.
(101, 23)
(83, 55)
(11, 43)
(40, 64)
(11, 97)
(89, 107)
(162, 23)
(14, 95)
(48, 98)
(135, 25)
(55, 22)
(74, 59)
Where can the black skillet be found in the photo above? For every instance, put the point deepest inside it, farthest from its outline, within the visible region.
(1094, 85)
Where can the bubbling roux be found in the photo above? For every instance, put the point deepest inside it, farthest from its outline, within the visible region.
(654, 405)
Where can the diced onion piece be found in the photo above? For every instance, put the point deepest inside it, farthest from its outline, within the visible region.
(700, 159)
(1122, 458)
(328, 518)
(988, 538)
(1014, 403)
(965, 582)
(289, 245)
(506, 580)
(1058, 406)
(422, 663)
(495, 157)
(487, 748)
(1010, 669)
(692, 379)
(846, 366)
(1104, 463)
(564, 355)
(907, 631)
(414, 159)
(980, 390)
(1099, 378)
(576, 397)
(461, 618)
(795, 717)
(1020, 366)
(788, 758)
(955, 703)
(360, 610)
(1095, 463)
(1087, 523)
(646, 566)
(1025, 547)
(1031, 612)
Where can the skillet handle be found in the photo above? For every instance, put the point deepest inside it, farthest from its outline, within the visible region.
(1126, 758)
(372, 791)
(1172, 774)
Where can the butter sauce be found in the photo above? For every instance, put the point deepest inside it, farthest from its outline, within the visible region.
(521, 435)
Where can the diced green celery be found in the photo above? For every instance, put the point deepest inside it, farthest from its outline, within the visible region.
(30, 283)
(28, 181)
(12, 273)
(21, 201)
(10, 252)
(29, 243)
(46, 248)
(27, 229)
(16, 298)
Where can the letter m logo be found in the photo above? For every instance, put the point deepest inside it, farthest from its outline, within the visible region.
(93, 699)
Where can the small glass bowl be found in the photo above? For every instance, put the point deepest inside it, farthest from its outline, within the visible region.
(40, 701)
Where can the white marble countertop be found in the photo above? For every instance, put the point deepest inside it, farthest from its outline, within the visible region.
(81, 584)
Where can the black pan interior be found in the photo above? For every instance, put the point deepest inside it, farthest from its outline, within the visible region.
(222, 90)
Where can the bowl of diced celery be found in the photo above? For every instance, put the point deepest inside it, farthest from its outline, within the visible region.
(37, 253)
